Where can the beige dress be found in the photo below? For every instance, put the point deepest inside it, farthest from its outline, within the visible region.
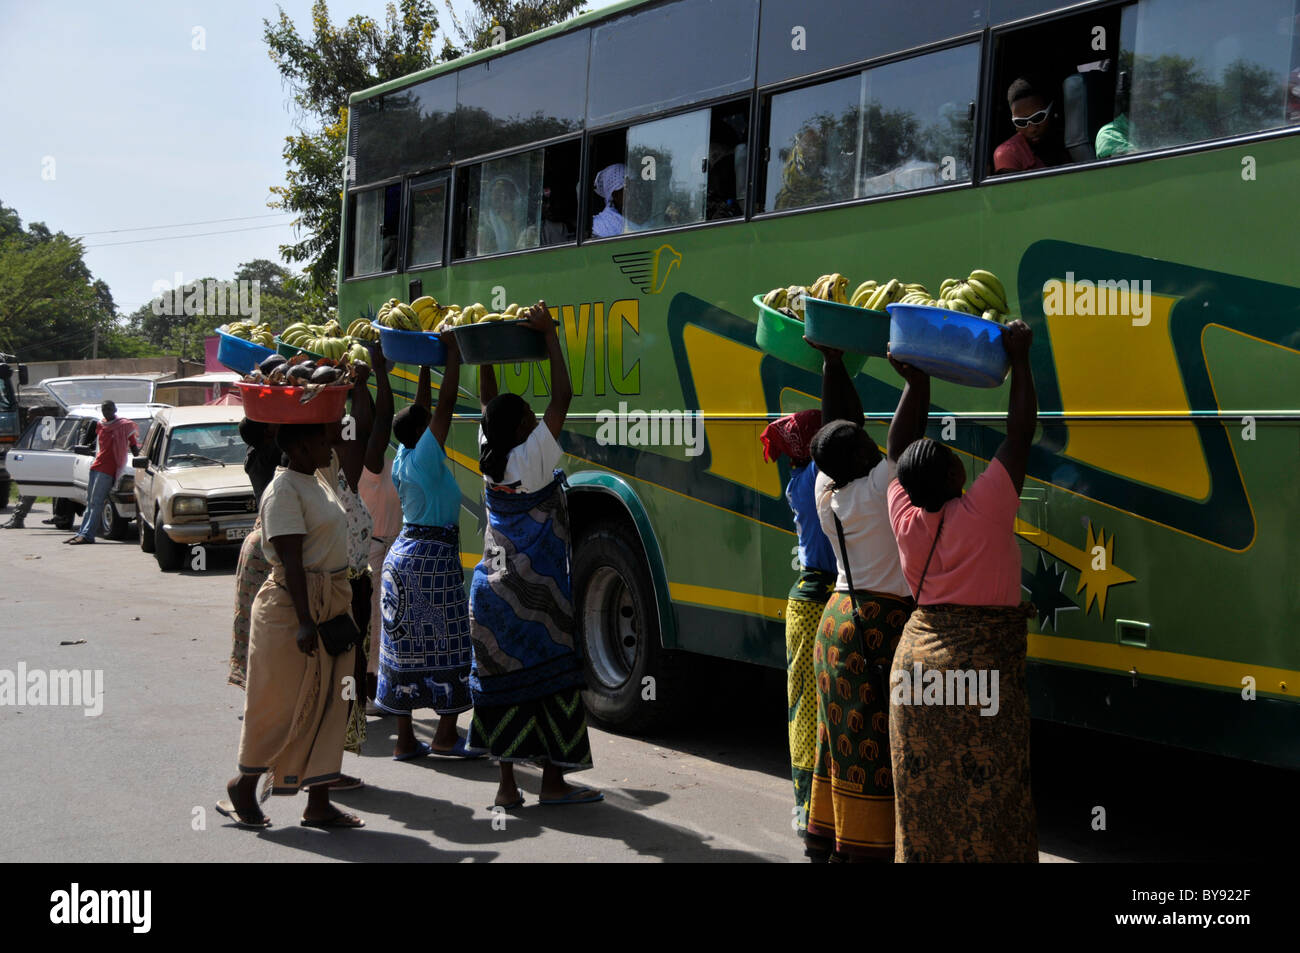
(295, 712)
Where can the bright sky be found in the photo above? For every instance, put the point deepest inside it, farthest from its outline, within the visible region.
(114, 120)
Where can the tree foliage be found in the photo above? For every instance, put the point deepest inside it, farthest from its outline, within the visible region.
(51, 306)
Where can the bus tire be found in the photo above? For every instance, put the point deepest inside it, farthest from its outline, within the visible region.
(631, 683)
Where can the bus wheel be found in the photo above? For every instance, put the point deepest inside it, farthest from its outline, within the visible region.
(629, 687)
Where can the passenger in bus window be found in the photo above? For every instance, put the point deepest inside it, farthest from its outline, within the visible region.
(501, 228)
(526, 678)
(1036, 143)
(609, 186)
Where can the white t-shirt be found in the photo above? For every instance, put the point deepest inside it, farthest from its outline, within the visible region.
(531, 464)
(863, 509)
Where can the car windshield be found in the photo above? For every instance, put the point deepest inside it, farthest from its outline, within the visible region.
(93, 390)
(205, 445)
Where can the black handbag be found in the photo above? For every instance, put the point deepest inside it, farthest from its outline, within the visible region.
(338, 634)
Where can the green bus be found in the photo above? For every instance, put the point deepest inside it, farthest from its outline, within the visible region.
(761, 143)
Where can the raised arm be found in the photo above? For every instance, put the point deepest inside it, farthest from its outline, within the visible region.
(840, 400)
(913, 410)
(487, 385)
(423, 393)
(440, 420)
(1022, 407)
(539, 317)
(381, 429)
(352, 453)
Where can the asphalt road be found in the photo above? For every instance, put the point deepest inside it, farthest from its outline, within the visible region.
(139, 781)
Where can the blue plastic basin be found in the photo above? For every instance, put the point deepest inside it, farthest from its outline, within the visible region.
(411, 347)
(948, 345)
(239, 355)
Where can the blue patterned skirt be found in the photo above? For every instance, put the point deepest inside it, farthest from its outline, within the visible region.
(425, 649)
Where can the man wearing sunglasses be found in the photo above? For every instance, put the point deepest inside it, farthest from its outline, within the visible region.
(1036, 142)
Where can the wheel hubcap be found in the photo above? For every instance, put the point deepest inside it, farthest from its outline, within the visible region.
(609, 621)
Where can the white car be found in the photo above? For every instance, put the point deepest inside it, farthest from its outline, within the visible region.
(53, 456)
(190, 484)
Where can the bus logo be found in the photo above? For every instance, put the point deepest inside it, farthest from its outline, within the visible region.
(649, 270)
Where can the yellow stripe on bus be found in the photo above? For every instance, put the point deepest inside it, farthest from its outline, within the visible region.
(727, 599)
(1152, 663)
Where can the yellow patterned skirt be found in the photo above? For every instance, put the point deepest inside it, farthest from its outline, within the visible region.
(801, 620)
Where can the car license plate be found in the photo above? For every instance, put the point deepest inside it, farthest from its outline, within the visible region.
(237, 533)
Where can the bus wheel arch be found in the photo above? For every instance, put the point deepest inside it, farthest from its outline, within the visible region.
(622, 611)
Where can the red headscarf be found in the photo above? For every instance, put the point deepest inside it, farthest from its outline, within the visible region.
(791, 435)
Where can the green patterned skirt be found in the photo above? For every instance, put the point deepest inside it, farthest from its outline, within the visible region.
(551, 728)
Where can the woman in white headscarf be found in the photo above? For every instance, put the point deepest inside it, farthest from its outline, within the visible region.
(609, 186)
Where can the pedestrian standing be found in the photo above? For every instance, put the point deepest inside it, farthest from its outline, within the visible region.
(116, 437)
(791, 436)
(527, 678)
(425, 650)
(961, 770)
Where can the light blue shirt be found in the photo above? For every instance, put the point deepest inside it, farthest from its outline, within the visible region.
(425, 485)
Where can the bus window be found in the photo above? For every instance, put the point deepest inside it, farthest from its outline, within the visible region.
(670, 172)
(428, 219)
(521, 201)
(902, 126)
(674, 55)
(525, 96)
(917, 121)
(1054, 87)
(375, 214)
(1204, 70)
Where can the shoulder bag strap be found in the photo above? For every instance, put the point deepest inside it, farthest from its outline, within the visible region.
(926, 568)
(848, 571)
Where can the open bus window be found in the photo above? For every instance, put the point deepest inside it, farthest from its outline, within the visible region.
(898, 127)
(670, 172)
(526, 200)
(428, 222)
(375, 231)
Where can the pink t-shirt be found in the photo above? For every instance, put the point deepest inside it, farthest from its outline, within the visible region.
(380, 496)
(977, 561)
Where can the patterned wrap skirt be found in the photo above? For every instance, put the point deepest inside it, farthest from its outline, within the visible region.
(424, 650)
(251, 572)
(852, 804)
(803, 613)
(961, 778)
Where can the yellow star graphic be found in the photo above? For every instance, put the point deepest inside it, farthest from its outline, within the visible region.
(1099, 571)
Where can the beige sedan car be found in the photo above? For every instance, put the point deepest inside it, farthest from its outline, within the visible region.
(190, 485)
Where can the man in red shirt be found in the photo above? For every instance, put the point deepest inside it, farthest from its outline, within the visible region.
(1036, 143)
(115, 436)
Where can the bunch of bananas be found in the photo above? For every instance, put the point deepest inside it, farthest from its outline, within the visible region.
(360, 330)
(874, 296)
(789, 301)
(477, 314)
(398, 316)
(830, 288)
(327, 340)
(257, 333)
(981, 295)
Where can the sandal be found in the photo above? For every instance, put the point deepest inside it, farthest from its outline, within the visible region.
(346, 782)
(227, 809)
(341, 819)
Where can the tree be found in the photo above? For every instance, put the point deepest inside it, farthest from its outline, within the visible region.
(51, 306)
(321, 71)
